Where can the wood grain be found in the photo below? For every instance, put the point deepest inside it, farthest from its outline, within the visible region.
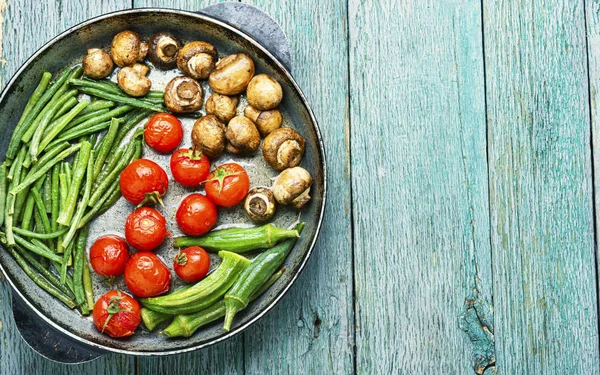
(419, 187)
(541, 187)
(28, 25)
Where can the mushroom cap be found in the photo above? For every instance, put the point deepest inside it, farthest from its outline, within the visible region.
(266, 121)
(232, 74)
(97, 64)
(260, 204)
(197, 59)
(133, 81)
(264, 92)
(183, 94)
(163, 48)
(126, 48)
(283, 148)
(292, 187)
(208, 135)
(222, 106)
(243, 135)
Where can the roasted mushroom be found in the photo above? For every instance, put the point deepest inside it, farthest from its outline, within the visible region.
(208, 135)
(183, 94)
(163, 48)
(97, 64)
(127, 48)
(292, 186)
(264, 92)
(224, 107)
(133, 80)
(283, 148)
(232, 74)
(197, 59)
(266, 121)
(243, 135)
(260, 204)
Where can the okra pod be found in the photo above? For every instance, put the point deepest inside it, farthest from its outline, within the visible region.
(239, 240)
(152, 319)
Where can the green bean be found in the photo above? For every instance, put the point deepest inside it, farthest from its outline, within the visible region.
(11, 201)
(15, 168)
(68, 171)
(54, 197)
(30, 204)
(84, 200)
(70, 103)
(79, 132)
(3, 193)
(21, 197)
(78, 265)
(85, 117)
(97, 208)
(38, 248)
(111, 163)
(105, 116)
(47, 192)
(21, 127)
(78, 174)
(106, 146)
(41, 209)
(138, 103)
(40, 281)
(49, 155)
(97, 105)
(130, 124)
(66, 258)
(32, 177)
(49, 110)
(103, 84)
(113, 197)
(40, 236)
(88, 287)
(58, 126)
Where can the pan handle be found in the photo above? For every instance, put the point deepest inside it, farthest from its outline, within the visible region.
(256, 23)
(45, 340)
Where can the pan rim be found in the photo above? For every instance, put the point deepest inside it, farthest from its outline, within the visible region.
(302, 265)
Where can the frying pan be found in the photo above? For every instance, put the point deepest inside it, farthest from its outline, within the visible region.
(64, 335)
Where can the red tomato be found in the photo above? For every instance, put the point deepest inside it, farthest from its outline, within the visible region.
(143, 181)
(192, 264)
(163, 132)
(145, 229)
(117, 314)
(146, 275)
(109, 255)
(227, 185)
(189, 167)
(196, 215)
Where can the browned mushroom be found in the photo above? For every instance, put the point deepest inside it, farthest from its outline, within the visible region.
(266, 121)
(260, 204)
(127, 48)
(222, 106)
(97, 64)
(133, 80)
(292, 186)
(197, 59)
(243, 135)
(264, 92)
(163, 48)
(208, 135)
(232, 74)
(183, 94)
(283, 148)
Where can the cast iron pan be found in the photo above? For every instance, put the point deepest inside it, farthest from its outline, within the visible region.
(64, 335)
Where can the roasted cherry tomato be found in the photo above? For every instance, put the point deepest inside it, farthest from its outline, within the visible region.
(109, 255)
(146, 275)
(196, 215)
(117, 314)
(145, 229)
(227, 185)
(163, 132)
(143, 181)
(192, 264)
(189, 166)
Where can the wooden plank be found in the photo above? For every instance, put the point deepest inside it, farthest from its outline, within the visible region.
(312, 330)
(541, 187)
(419, 187)
(27, 25)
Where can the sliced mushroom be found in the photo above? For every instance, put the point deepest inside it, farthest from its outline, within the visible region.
(97, 64)
(183, 94)
(208, 135)
(260, 204)
(283, 148)
(243, 135)
(266, 121)
(222, 106)
(127, 48)
(232, 74)
(264, 92)
(197, 59)
(163, 48)
(133, 80)
(292, 186)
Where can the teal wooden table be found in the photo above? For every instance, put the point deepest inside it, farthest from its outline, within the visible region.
(460, 235)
